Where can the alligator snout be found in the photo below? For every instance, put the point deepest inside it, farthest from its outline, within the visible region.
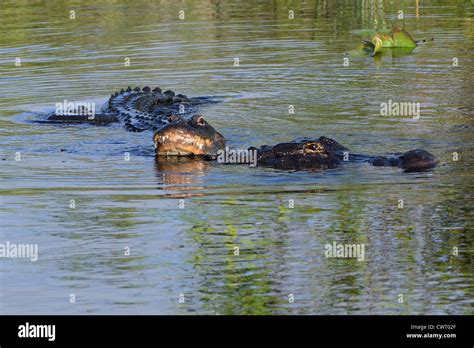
(193, 137)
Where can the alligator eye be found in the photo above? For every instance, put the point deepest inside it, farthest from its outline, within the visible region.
(200, 121)
(311, 147)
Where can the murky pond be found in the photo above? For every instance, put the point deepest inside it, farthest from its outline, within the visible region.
(145, 236)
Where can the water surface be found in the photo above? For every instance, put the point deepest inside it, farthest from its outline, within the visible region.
(182, 221)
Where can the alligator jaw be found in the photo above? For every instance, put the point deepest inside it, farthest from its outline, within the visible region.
(193, 137)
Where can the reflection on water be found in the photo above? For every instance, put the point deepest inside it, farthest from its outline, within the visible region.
(230, 239)
(182, 173)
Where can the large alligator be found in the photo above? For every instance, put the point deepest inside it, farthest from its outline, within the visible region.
(178, 135)
(328, 153)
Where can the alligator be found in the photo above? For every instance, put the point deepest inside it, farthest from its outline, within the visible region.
(141, 109)
(328, 153)
(177, 135)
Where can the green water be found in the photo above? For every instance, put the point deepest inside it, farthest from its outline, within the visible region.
(182, 222)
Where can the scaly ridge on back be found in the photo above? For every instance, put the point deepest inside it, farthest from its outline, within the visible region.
(138, 109)
(146, 109)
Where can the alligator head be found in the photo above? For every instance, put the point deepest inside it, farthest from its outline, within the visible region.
(192, 137)
(306, 154)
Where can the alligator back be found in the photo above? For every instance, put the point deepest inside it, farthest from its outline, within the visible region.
(138, 109)
(146, 109)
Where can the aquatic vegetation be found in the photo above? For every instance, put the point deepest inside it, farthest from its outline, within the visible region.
(375, 40)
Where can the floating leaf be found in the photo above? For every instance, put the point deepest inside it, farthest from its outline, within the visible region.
(402, 39)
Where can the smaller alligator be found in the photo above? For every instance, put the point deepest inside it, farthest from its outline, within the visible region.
(328, 153)
(176, 135)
